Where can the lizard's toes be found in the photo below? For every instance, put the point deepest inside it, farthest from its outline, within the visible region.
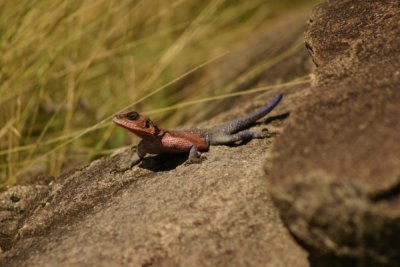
(264, 133)
(194, 160)
(122, 168)
(118, 170)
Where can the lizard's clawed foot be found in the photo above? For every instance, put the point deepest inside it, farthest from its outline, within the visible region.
(264, 133)
(125, 167)
(122, 168)
(195, 160)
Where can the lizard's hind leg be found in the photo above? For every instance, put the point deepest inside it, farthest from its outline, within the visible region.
(194, 155)
(246, 135)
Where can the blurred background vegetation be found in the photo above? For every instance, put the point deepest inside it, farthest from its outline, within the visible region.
(67, 66)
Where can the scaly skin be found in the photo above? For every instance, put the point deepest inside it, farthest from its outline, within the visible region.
(193, 141)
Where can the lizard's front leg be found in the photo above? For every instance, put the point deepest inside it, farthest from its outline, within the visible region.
(136, 157)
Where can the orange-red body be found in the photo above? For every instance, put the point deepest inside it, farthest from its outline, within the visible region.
(157, 141)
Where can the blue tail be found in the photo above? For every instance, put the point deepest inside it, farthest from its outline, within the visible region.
(246, 121)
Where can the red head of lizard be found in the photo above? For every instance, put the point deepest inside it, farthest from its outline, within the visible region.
(137, 124)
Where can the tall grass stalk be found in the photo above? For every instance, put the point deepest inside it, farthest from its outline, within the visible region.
(67, 66)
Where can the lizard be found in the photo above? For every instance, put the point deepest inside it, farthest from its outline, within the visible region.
(156, 140)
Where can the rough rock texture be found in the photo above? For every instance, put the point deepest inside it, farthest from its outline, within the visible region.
(17, 204)
(164, 212)
(335, 171)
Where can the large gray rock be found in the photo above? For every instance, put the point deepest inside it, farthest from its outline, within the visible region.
(166, 213)
(335, 171)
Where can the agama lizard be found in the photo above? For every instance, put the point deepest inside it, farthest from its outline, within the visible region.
(193, 141)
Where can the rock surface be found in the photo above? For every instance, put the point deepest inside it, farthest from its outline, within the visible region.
(335, 171)
(17, 204)
(211, 214)
(166, 213)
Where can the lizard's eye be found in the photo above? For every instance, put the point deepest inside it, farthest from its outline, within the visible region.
(132, 116)
(147, 124)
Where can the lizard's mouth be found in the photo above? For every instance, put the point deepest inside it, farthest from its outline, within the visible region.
(136, 127)
(121, 123)
(132, 127)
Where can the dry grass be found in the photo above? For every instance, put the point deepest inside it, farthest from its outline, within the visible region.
(67, 66)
